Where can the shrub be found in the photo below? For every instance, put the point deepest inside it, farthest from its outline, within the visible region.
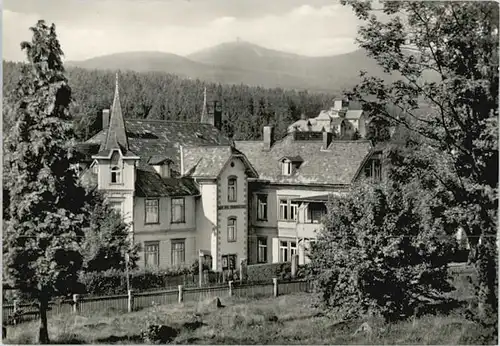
(114, 281)
(266, 272)
(381, 252)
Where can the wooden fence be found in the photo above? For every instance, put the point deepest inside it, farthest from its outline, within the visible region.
(139, 300)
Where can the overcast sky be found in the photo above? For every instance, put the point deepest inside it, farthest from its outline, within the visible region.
(88, 28)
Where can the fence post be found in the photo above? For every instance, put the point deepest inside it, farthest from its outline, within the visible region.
(200, 269)
(230, 288)
(243, 264)
(295, 260)
(76, 303)
(130, 303)
(16, 309)
(275, 288)
(181, 294)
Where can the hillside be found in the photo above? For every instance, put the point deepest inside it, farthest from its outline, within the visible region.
(160, 95)
(246, 63)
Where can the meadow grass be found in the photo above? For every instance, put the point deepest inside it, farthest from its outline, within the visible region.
(289, 319)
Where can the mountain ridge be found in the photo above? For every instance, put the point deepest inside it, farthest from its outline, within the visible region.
(246, 63)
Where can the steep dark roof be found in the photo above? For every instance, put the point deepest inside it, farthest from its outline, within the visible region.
(148, 138)
(151, 184)
(336, 165)
(159, 159)
(116, 136)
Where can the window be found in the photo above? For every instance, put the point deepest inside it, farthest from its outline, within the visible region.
(95, 168)
(116, 175)
(288, 210)
(283, 251)
(293, 211)
(152, 254)
(315, 212)
(231, 189)
(165, 170)
(178, 252)
(229, 262)
(373, 170)
(231, 229)
(116, 171)
(283, 209)
(293, 248)
(262, 207)
(117, 206)
(287, 250)
(178, 210)
(152, 213)
(286, 166)
(262, 250)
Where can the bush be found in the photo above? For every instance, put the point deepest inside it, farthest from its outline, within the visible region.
(381, 252)
(266, 272)
(114, 281)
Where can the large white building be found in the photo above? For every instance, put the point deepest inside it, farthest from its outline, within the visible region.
(186, 189)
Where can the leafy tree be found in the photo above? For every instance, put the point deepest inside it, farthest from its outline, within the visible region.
(106, 240)
(381, 252)
(43, 227)
(446, 55)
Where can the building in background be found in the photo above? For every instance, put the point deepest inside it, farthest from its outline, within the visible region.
(187, 189)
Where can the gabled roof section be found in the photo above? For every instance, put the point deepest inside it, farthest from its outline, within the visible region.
(209, 161)
(159, 160)
(151, 184)
(337, 121)
(294, 159)
(149, 138)
(116, 137)
(353, 114)
(335, 166)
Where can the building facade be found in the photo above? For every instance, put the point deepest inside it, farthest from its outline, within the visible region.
(188, 191)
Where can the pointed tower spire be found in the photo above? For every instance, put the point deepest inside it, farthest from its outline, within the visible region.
(204, 112)
(116, 136)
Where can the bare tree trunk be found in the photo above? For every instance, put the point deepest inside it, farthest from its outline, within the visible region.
(486, 265)
(43, 336)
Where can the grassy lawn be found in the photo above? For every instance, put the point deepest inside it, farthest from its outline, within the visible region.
(285, 320)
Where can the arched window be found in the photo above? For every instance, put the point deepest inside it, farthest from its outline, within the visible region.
(231, 189)
(116, 171)
(116, 175)
(231, 229)
(286, 167)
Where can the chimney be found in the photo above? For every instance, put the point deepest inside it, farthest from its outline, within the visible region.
(105, 119)
(217, 115)
(268, 137)
(340, 104)
(327, 139)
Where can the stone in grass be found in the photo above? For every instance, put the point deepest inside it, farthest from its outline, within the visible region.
(272, 318)
(217, 303)
(159, 334)
(364, 327)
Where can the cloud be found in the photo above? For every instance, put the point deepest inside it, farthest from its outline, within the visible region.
(303, 29)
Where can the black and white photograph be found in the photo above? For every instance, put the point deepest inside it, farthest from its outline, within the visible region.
(250, 172)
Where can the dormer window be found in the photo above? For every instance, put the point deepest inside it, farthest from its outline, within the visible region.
(286, 166)
(289, 164)
(162, 165)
